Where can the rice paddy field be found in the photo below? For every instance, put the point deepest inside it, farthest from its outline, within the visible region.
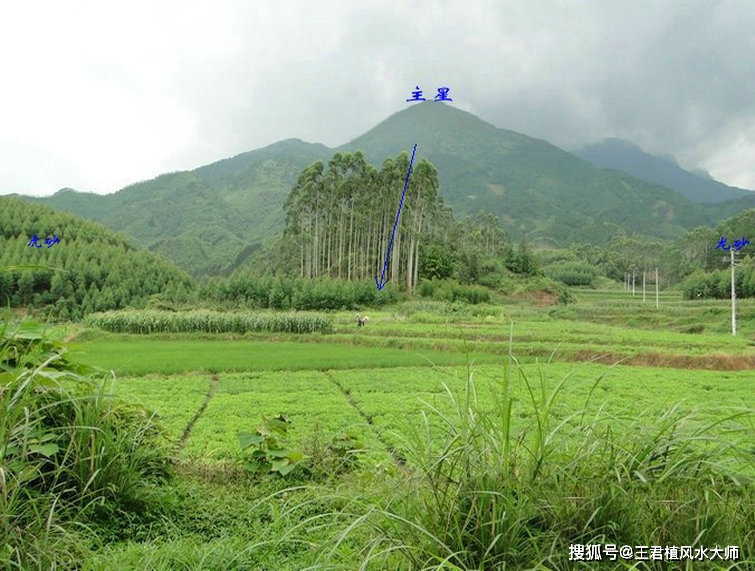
(553, 385)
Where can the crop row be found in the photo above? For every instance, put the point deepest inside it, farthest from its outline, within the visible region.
(203, 321)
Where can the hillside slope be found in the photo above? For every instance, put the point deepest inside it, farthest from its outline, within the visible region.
(627, 157)
(533, 186)
(204, 220)
(89, 267)
(212, 219)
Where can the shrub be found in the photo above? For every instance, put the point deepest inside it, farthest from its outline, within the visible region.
(70, 451)
(572, 273)
(265, 450)
(329, 458)
(565, 296)
(717, 284)
(297, 293)
(451, 291)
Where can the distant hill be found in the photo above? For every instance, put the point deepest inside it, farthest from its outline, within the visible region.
(532, 185)
(206, 220)
(627, 157)
(213, 219)
(84, 266)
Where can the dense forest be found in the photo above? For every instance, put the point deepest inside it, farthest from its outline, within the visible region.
(90, 268)
(339, 221)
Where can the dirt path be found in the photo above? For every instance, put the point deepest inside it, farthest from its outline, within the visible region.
(397, 457)
(211, 390)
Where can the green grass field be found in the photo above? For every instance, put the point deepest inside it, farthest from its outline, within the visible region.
(627, 364)
(382, 400)
(428, 336)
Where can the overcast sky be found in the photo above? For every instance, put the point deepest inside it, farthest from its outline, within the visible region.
(97, 95)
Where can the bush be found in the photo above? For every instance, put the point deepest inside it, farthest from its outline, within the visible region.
(717, 284)
(70, 451)
(297, 293)
(451, 291)
(266, 451)
(565, 296)
(572, 273)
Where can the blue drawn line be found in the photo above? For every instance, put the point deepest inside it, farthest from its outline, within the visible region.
(382, 281)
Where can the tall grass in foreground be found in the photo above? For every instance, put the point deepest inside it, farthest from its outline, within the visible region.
(71, 454)
(156, 321)
(479, 495)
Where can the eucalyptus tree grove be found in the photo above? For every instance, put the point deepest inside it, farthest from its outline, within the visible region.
(340, 220)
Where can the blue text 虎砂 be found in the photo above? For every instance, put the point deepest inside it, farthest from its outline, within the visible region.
(34, 241)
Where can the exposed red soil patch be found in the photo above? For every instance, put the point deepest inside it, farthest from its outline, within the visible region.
(538, 298)
(712, 362)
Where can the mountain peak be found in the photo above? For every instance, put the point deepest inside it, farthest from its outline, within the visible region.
(439, 114)
(208, 218)
(65, 190)
(437, 129)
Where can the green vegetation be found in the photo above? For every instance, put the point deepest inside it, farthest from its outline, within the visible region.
(565, 467)
(444, 290)
(406, 445)
(127, 355)
(238, 437)
(573, 273)
(717, 284)
(472, 260)
(533, 186)
(339, 222)
(692, 263)
(599, 325)
(208, 322)
(73, 454)
(487, 494)
(91, 269)
(265, 449)
(244, 289)
(218, 218)
(210, 220)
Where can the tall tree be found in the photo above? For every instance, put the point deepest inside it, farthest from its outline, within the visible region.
(342, 220)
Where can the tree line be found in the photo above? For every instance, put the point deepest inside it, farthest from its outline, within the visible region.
(340, 219)
(335, 242)
(691, 259)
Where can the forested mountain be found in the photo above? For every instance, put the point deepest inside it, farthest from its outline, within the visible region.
(627, 157)
(533, 186)
(75, 266)
(207, 220)
(213, 219)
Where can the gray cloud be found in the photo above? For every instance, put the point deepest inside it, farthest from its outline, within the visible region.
(153, 91)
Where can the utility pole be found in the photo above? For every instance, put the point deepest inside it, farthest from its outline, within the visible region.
(632, 281)
(657, 302)
(643, 286)
(738, 245)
